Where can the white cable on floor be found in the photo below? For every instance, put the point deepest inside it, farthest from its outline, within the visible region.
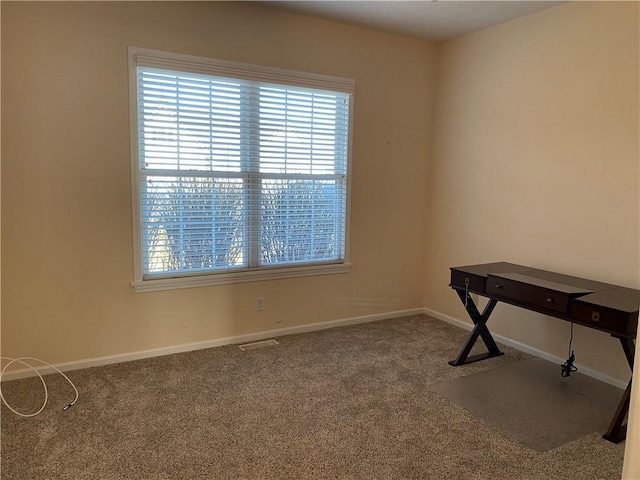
(46, 392)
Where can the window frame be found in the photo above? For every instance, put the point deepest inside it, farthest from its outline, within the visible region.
(209, 66)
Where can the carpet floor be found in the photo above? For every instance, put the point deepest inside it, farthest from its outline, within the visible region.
(346, 403)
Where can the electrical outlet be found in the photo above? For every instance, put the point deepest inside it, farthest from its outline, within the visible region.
(259, 304)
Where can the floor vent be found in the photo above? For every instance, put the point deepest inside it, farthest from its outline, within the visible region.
(264, 343)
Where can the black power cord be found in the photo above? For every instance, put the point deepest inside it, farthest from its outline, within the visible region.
(568, 367)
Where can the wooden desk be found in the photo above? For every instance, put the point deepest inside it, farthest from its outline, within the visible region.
(601, 306)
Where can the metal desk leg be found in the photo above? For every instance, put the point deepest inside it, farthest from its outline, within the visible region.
(479, 329)
(617, 432)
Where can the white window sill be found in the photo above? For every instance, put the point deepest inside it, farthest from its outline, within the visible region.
(154, 285)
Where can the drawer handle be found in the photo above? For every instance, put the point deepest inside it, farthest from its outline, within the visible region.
(549, 300)
(498, 285)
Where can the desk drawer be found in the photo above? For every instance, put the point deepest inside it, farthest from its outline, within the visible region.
(600, 317)
(518, 293)
(459, 280)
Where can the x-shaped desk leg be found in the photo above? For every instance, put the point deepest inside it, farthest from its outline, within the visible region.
(479, 329)
(617, 431)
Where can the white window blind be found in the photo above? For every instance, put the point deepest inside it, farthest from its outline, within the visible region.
(234, 173)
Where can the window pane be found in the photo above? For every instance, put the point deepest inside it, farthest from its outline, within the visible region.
(189, 123)
(301, 132)
(192, 223)
(301, 221)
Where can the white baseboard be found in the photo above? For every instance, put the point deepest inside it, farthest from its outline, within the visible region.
(528, 349)
(252, 337)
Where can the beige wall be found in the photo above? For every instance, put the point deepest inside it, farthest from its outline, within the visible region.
(66, 198)
(535, 162)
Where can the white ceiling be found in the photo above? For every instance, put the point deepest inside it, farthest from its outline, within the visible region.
(428, 19)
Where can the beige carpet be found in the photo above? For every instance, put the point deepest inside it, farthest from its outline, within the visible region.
(531, 402)
(346, 403)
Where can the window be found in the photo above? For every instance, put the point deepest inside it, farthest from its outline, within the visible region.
(240, 172)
